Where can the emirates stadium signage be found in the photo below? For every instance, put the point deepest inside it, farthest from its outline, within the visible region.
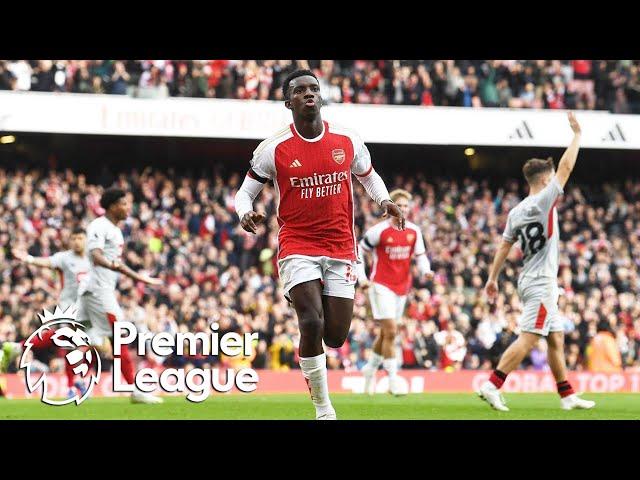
(250, 119)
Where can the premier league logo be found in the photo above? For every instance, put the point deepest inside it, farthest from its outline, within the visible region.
(68, 335)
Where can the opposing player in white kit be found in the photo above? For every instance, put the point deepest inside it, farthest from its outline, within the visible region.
(534, 223)
(72, 265)
(390, 281)
(97, 298)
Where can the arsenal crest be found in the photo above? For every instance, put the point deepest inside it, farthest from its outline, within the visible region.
(410, 237)
(338, 155)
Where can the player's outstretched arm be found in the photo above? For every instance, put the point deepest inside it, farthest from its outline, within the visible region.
(31, 260)
(568, 160)
(249, 190)
(491, 288)
(98, 258)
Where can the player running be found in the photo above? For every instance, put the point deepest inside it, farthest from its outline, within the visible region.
(311, 162)
(389, 284)
(534, 222)
(97, 293)
(72, 265)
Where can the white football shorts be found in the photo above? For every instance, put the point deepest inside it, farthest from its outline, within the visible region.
(338, 276)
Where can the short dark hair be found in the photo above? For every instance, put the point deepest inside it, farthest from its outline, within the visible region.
(536, 166)
(78, 231)
(291, 76)
(604, 326)
(111, 196)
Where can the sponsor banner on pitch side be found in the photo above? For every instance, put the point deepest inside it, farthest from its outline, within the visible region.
(412, 381)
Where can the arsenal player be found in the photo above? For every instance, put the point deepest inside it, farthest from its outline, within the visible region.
(310, 163)
(390, 280)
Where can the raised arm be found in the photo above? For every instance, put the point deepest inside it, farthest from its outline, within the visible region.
(568, 160)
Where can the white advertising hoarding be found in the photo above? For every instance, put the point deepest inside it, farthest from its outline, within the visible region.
(218, 118)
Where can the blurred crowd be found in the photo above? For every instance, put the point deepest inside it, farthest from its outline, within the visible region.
(612, 85)
(184, 230)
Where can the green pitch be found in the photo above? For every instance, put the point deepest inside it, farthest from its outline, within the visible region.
(427, 406)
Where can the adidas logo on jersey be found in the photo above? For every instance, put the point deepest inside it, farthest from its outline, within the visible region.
(295, 163)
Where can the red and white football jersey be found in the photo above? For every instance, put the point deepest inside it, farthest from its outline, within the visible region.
(392, 251)
(312, 178)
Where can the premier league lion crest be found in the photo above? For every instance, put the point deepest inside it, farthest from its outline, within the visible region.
(68, 335)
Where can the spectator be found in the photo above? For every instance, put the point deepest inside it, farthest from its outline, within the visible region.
(82, 80)
(7, 78)
(632, 90)
(504, 93)
(43, 79)
(488, 86)
(183, 229)
(97, 86)
(119, 79)
(453, 347)
(21, 70)
(585, 84)
(603, 354)
(426, 349)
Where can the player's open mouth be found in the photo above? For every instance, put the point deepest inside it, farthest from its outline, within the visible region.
(310, 103)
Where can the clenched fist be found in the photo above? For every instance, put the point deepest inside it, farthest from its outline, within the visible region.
(250, 220)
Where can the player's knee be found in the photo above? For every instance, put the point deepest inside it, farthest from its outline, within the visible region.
(311, 323)
(528, 342)
(390, 330)
(555, 340)
(334, 341)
